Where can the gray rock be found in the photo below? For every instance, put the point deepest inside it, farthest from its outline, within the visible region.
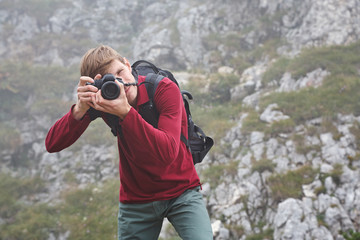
(271, 115)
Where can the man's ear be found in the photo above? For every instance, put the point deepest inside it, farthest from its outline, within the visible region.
(127, 63)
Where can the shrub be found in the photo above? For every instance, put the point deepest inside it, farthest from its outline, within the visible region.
(33, 223)
(282, 126)
(41, 9)
(264, 234)
(263, 165)
(252, 123)
(289, 184)
(338, 94)
(90, 213)
(336, 173)
(214, 173)
(350, 235)
(9, 137)
(219, 87)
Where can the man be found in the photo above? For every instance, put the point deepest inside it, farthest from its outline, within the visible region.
(157, 175)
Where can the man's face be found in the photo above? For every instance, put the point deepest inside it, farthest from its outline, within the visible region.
(123, 71)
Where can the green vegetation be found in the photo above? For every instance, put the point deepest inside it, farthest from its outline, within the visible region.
(240, 56)
(88, 213)
(289, 184)
(13, 189)
(266, 234)
(211, 107)
(252, 122)
(12, 139)
(339, 92)
(22, 221)
(263, 165)
(351, 235)
(41, 9)
(41, 88)
(28, 90)
(214, 173)
(33, 223)
(282, 126)
(91, 213)
(335, 174)
(321, 219)
(301, 146)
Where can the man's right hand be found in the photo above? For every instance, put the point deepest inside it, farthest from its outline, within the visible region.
(84, 94)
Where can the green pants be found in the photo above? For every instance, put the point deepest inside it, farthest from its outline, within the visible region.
(187, 213)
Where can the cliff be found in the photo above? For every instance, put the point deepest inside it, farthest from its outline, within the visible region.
(275, 82)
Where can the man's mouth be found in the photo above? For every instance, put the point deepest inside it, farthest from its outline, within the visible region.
(127, 89)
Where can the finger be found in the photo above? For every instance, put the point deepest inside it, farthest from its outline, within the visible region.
(98, 76)
(98, 99)
(85, 94)
(84, 80)
(87, 88)
(122, 87)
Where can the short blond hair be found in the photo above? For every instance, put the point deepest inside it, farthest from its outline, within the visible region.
(97, 60)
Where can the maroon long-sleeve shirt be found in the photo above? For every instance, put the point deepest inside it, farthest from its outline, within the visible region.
(154, 163)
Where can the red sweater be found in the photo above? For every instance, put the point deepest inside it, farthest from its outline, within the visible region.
(154, 163)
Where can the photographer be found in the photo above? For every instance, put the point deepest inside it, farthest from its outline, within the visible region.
(157, 175)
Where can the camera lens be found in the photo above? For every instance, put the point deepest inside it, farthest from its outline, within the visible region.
(110, 90)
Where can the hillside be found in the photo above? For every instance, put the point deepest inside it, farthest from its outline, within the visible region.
(276, 83)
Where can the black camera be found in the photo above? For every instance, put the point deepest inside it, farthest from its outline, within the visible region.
(109, 88)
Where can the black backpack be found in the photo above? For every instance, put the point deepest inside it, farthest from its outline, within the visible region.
(198, 143)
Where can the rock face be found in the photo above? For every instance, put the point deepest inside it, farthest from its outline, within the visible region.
(177, 34)
(242, 198)
(188, 35)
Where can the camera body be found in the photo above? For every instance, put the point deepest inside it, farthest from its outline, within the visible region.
(109, 88)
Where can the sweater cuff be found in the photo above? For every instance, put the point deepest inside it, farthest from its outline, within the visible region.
(73, 121)
(129, 118)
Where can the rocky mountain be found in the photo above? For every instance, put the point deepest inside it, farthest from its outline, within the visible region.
(287, 164)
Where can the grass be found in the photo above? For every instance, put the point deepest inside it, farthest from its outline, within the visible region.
(212, 109)
(33, 223)
(263, 165)
(300, 143)
(253, 123)
(89, 213)
(214, 173)
(11, 137)
(265, 234)
(289, 184)
(20, 220)
(338, 94)
(335, 174)
(350, 234)
(338, 60)
(27, 86)
(41, 9)
(281, 126)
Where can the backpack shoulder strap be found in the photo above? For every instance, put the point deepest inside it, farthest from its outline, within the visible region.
(148, 110)
(152, 81)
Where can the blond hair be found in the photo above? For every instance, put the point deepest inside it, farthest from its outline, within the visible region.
(97, 60)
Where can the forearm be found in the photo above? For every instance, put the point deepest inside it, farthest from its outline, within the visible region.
(65, 132)
(77, 112)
